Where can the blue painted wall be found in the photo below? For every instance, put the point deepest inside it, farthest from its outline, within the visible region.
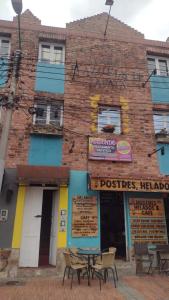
(3, 71)
(78, 187)
(45, 150)
(163, 160)
(50, 78)
(160, 89)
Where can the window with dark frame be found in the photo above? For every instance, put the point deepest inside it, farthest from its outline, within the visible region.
(160, 64)
(4, 47)
(51, 53)
(109, 119)
(46, 114)
(161, 121)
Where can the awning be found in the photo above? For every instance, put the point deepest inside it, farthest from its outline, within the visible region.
(42, 175)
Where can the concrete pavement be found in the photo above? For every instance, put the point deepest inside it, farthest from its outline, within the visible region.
(129, 288)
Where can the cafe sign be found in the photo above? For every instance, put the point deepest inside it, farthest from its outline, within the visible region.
(147, 220)
(114, 150)
(84, 216)
(113, 184)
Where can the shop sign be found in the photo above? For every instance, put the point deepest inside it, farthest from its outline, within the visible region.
(114, 150)
(147, 220)
(112, 184)
(84, 216)
(143, 208)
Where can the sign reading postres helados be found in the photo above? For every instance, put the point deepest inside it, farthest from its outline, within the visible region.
(115, 184)
(103, 149)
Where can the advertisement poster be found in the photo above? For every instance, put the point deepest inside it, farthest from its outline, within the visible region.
(103, 149)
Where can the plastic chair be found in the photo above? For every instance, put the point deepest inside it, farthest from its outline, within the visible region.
(98, 259)
(72, 267)
(77, 259)
(142, 255)
(163, 258)
(107, 264)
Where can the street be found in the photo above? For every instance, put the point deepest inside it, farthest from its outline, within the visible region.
(129, 288)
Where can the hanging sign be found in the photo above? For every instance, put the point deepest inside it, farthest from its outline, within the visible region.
(114, 150)
(84, 216)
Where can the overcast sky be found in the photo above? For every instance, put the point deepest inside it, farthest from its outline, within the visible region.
(148, 16)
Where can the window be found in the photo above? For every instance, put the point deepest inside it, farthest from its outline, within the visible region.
(161, 121)
(160, 64)
(49, 114)
(109, 116)
(51, 53)
(4, 47)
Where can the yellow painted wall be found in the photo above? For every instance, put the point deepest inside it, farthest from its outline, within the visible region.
(17, 233)
(63, 204)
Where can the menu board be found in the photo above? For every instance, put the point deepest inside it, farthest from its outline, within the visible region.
(84, 216)
(147, 218)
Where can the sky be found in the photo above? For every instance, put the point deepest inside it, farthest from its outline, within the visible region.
(150, 17)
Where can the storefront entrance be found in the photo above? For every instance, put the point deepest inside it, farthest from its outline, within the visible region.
(112, 222)
(38, 244)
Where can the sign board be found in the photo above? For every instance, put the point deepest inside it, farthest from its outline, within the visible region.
(114, 150)
(114, 184)
(84, 216)
(147, 220)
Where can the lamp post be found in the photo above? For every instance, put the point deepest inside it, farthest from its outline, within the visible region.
(17, 5)
(109, 3)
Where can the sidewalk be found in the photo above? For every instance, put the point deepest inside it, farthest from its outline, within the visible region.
(129, 288)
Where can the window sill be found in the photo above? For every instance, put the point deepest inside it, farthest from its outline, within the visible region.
(162, 138)
(46, 129)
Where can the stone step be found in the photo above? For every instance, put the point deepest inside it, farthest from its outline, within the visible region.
(35, 272)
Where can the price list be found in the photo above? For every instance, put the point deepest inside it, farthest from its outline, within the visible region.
(147, 221)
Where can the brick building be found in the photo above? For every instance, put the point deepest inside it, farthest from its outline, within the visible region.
(82, 168)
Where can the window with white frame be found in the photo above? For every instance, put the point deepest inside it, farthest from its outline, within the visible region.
(4, 47)
(46, 114)
(160, 64)
(161, 121)
(109, 118)
(51, 53)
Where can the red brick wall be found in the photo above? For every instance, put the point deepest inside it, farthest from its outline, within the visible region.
(125, 58)
(109, 58)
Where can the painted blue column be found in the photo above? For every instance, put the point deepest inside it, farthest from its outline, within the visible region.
(78, 187)
(127, 221)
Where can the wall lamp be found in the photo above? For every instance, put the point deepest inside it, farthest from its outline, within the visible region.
(154, 72)
(160, 149)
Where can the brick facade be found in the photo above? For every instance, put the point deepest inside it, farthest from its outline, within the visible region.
(105, 57)
(99, 71)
